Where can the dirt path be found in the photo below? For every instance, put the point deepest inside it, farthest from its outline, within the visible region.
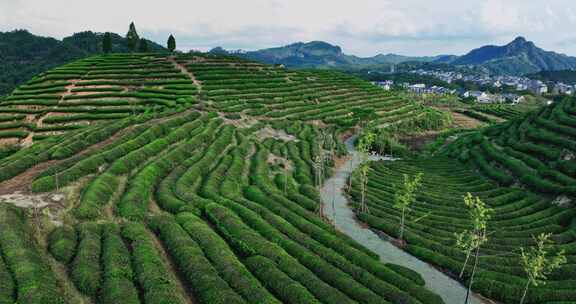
(29, 140)
(23, 181)
(184, 70)
(186, 292)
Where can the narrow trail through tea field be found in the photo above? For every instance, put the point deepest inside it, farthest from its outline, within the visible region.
(338, 210)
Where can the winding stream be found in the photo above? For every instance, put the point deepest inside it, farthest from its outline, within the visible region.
(332, 193)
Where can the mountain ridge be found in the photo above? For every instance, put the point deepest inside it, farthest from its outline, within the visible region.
(318, 54)
(518, 57)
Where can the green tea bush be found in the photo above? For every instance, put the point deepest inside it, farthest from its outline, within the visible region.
(62, 243)
(152, 271)
(196, 269)
(34, 280)
(85, 268)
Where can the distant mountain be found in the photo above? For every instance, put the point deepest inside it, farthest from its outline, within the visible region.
(319, 54)
(23, 55)
(516, 58)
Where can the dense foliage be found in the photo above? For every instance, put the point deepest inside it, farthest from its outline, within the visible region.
(24, 55)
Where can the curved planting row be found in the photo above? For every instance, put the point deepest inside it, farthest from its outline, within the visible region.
(236, 86)
(24, 270)
(116, 263)
(439, 213)
(107, 87)
(537, 151)
(198, 206)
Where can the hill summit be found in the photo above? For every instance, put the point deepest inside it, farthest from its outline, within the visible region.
(320, 54)
(517, 57)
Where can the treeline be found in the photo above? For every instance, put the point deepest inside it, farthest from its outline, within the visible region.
(24, 55)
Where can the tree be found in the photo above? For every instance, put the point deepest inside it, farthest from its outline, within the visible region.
(470, 240)
(171, 43)
(107, 43)
(405, 197)
(538, 263)
(132, 37)
(143, 46)
(363, 116)
(319, 162)
(364, 147)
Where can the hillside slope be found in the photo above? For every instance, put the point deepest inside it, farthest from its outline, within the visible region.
(209, 201)
(115, 86)
(523, 169)
(517, 216)
(24, 55)
(536, 152)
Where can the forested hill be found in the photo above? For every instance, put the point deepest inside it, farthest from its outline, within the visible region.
(23, 55)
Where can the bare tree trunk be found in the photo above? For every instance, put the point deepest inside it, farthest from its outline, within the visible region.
(465, 263)
(402, 224)
(351, 173)
(334, 186)
(525, 292)
(473, 273)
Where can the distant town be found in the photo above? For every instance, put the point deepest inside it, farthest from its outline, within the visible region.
(510, 89)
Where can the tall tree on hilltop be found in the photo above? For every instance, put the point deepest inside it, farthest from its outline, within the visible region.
(171, 43)
(107, 43)
(132, 37)
(143, 46)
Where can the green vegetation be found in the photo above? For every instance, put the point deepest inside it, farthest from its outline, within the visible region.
(175, 202)
(516, 216)
(196, 178)
(25, 55)
(535, 151)
(132, 37)
(27, 277)
(171, 44)
(538, 264)
(107, 43)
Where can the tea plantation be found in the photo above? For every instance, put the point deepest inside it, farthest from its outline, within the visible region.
(187, 179)
(523, 170)
(194, 178)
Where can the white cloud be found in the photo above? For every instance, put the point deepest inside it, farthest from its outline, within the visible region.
(363, 27)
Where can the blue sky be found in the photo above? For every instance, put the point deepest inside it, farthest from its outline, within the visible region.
(360, 27)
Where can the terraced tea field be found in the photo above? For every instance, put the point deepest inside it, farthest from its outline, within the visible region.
(195, 179)
(536, 151)
(521, 170)
(199, 188)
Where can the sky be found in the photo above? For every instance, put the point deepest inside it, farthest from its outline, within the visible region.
(360, 27)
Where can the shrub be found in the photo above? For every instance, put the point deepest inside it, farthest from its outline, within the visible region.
(281, 284)
(117, 274)
(85, 269)
(152, 271)
(33, 278)
(62, 243)
(196, 269)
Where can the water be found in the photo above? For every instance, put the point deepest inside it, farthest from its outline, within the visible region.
(451, 291)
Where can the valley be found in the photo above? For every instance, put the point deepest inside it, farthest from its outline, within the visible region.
(208, 178)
